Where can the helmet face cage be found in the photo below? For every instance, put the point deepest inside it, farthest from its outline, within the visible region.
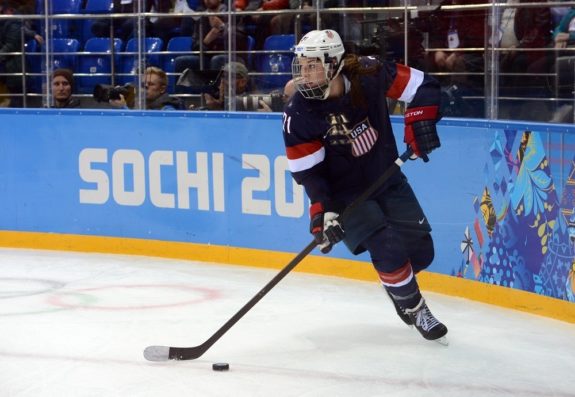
(317, 62)
(312, 77)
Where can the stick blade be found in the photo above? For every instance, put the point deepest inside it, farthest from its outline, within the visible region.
(188, 353)
(157, 353)
(165, 353)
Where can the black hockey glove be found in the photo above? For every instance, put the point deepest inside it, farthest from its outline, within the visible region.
(420, 130)
(325, 227)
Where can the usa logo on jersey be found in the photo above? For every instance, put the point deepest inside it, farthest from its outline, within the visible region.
(363, 136)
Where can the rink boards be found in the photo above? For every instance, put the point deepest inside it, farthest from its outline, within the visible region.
(215, 187)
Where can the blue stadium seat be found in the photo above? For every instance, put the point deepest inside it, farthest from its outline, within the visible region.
(179, 44)
(36, 59)
(33, 62)
(31, 47)
(279, 42)
(94, 7)
(277, 62)
(251, 47)
(97, 63)
(61, 28)
(66, 6)
(39, 7)
(193, 4)
(62, 46)
(129, 62)
(99, 7)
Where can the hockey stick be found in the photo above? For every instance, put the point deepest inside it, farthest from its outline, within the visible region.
(164, 353)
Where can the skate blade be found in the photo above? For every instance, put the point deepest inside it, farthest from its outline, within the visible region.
(442, 341)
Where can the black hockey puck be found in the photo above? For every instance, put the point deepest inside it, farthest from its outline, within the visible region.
(220, 366)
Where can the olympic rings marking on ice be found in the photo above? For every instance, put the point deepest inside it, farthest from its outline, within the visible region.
(43, 285)
(87, 298)
(58, 297)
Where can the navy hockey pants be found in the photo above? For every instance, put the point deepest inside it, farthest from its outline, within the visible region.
(393, 228)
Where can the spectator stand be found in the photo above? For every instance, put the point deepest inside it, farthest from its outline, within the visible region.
(33, 70)
(132, 57)
(95, 8)
(269, 70)
(42, 60)
(177, 46)
(62, 23)
(98, 63)
(274, 63)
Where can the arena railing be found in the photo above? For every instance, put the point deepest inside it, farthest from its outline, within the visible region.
(360, 27)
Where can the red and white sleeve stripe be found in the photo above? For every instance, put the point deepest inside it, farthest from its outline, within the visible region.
(405, 84)
(305, 155)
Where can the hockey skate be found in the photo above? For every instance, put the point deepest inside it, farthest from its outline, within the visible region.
(400, 312)
(426, 323)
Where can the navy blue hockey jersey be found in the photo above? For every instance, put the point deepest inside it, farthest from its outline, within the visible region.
(336, 150)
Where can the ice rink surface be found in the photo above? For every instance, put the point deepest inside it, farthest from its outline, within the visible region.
(76, 325)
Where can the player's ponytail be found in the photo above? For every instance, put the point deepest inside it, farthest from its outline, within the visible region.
(354, 67)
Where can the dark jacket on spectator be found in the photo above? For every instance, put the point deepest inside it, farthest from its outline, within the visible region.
(533, 28)
(11, 41)
(470, 25)
(71, 103)
(219, 44)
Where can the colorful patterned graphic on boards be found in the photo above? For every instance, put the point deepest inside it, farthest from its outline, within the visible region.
(523, 234)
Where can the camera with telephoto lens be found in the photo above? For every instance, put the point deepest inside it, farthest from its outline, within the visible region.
(251, 102)
(105, 92)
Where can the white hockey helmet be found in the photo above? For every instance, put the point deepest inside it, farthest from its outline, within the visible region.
(324, 46)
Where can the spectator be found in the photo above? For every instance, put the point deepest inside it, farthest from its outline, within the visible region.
(261, 23)
(164, 27)
(531, 29)
(31, 34)
(155, 82)
(526, 37)
(186, 23)
(564, 33)
(284, 23)
(457, 39)
(246, 100)
(558, 12)
(27, 6)
(122, 27)
(215, 37)
(30, 27)
(240, 76)
(564, 37)
(11, 41)
(459, 29)
(62, 89)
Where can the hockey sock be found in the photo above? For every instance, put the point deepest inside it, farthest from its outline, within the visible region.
(402, 286)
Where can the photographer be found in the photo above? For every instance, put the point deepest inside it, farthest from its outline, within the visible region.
(245, 101)
(155, 82)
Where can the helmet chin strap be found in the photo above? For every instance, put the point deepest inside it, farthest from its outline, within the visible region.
(328, 90)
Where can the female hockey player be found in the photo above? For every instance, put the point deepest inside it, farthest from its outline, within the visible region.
(338, 141)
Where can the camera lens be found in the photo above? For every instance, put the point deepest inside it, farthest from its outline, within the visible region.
(102, 92)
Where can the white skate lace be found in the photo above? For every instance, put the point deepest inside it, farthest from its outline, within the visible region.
(424, 319)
